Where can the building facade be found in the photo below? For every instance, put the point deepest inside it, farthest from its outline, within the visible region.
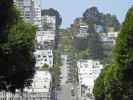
(82, 31)
(88, 71)
(30, 11)
(49, 22)
(39, 90)
(37, 13)
(108, 41)
(45, 39)
(109, 38)
(26, 8)
(43, 57)
(98, 28)
(41, 86)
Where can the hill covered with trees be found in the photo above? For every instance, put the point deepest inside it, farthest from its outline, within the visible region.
(93, 16)
(92, 44)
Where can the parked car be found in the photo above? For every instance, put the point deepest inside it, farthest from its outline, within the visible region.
(72, 91)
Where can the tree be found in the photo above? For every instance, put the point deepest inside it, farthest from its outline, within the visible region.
(123, 57)
(119, 84)
(16, 57)
(93, 16)
(101, 83)
(45, 67)
(7, 15)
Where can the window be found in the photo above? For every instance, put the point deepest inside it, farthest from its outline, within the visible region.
(44, 56)
(50, 56)
(39, 56)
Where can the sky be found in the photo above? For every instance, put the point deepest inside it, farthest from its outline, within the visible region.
(71, 9)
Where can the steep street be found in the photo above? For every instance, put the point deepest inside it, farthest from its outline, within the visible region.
(67, 91)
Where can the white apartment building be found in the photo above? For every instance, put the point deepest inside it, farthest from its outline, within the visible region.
(42, 82)
(49, 22)
(41, 86)
(37, 12)
(30, 10)
(26, 8)
(109, 38)
(88, 71)
(43, 57)
(45, 39)
(40, 89)
(83, 29)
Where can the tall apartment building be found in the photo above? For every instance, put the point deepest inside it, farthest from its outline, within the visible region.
(26, 9)
(37, 12)
(30, 10)
(88, 71)
(45, 39)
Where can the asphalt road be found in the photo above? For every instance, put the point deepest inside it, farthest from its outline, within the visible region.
(66, 88)
(65, 93)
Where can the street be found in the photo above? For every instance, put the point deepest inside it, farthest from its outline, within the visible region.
(68, 90)
(65, 93)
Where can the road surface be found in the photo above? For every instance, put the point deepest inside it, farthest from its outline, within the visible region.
(66, 88)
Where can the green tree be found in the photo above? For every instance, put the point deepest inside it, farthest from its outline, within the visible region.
(16, 57)
(7, 18)
(95, 46)
(45, 67)
(92, 15)
(119, 82)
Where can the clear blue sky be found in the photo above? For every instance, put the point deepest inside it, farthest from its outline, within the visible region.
(70, 9)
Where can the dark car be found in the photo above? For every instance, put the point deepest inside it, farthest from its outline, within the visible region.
(72, 92)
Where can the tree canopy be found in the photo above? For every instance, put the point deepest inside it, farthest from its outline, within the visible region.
(91, 43)
(7, 14)
(116, 81)
(16, 57)
(93, 16)
(97, 20)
